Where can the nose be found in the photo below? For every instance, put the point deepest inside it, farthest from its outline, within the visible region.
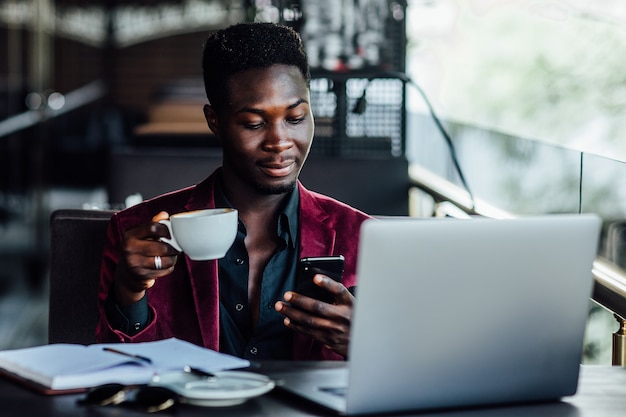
(278, 138)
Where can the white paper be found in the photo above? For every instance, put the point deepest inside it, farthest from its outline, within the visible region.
(68, 366)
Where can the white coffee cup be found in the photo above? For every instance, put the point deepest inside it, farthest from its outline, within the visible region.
(202, 234)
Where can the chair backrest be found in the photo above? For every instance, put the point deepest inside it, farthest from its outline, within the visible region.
(76, 244)
(377, 185)
(153, 171)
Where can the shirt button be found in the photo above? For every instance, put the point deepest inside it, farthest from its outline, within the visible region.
(239, 261)
(253, 350)
(270, 306)
(239, 307)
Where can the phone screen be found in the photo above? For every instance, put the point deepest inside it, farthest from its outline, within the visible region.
(331, 266)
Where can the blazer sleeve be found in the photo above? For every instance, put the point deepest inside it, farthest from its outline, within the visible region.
(110, 258)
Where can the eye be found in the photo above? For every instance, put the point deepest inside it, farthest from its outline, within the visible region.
(252, 126)
(296, 120)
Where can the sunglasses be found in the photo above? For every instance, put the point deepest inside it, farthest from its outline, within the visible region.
(144, 397)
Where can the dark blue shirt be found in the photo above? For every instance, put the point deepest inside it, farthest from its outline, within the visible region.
(270, 339)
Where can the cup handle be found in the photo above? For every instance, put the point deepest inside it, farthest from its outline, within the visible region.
(172, 242)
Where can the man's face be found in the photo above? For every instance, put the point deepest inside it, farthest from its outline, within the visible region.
(266, 128)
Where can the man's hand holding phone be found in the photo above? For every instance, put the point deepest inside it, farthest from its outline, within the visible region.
(320, 306)
(330, 266)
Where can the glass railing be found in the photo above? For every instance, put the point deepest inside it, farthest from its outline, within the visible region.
(54, 105)
(510, 176)
(27, 139)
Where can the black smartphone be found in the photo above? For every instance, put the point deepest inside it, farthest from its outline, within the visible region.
(331, 266)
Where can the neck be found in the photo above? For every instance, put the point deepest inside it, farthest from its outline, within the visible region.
(250, 202)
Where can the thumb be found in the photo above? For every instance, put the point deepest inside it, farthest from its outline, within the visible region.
(163, 215)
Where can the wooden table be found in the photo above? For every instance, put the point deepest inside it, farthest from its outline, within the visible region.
(602, 392)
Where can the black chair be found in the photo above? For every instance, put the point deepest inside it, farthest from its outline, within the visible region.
(153, 171)
(76, 243)
(377, 185)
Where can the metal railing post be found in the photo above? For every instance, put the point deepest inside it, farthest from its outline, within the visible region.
(619, 342)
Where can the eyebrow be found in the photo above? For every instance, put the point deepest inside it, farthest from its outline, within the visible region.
(259, 111)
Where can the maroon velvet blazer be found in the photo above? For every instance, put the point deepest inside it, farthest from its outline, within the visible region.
(185, 304)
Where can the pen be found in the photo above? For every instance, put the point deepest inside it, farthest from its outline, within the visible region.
(197, 371)
(131, 355)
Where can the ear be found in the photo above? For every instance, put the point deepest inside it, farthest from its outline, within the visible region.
(211, 118)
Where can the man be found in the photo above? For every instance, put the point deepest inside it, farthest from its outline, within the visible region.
(257, 82)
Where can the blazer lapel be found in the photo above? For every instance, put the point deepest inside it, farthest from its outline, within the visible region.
(316, 238)
(203, 275)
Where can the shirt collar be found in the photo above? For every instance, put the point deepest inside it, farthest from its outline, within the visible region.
(287, 219)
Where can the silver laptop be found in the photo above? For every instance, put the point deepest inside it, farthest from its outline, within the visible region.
(454, 313)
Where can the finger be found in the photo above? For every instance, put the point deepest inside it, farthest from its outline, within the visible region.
(161, 230)
(324, 320)
(163, 215)
(330, 337)
(341, 295)
(164, 249)
(334, 335)
(160, 263)
(312, 313)
(141, 256)
(143, 260)
(311, 306)
(295, 314)
(150, 230)
(133, 279)
(339, 291)
(149, 272)
(146, 231)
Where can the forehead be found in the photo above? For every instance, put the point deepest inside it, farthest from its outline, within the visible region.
(275, 84)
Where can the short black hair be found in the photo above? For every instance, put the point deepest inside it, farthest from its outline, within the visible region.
(246, 46)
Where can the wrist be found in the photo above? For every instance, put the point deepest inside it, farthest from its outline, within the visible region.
(125, 296)
(123, 291)
(129, 319)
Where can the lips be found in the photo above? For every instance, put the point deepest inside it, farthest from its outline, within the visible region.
(278, 169)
